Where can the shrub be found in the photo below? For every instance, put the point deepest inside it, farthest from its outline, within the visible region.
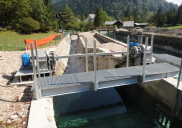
(27, 25)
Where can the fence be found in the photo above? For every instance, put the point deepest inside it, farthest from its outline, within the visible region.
(9, 44)
(5, 45)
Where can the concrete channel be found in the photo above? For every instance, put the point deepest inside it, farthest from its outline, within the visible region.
(41, 111)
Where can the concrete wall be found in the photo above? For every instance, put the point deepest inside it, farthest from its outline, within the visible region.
(108, 39)
(102, 62)
(63, 48)
(163, 90)
(173, 44)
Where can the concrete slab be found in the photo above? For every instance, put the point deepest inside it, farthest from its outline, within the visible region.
(173, 82)
(41, 114)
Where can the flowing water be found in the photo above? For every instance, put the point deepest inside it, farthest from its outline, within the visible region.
(120, 107)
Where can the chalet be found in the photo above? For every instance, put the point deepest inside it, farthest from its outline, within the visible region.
(90, 17)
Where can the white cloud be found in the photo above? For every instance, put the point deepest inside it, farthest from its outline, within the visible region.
(175, 1)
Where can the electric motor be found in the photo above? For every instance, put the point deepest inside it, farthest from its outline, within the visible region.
(135, 51)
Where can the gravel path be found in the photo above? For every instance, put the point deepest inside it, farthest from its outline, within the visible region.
(14, 101)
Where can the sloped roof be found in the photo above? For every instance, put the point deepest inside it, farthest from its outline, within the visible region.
(110, 22)
(118, 22)
(92, 16)
(128, 24)
(141, 23)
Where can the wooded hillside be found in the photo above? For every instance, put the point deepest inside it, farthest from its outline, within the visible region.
(114, 8)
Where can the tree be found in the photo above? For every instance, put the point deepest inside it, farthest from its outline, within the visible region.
(78, 16)
(127, 13)
(179, 15)
(128, 18)
(17, 12)
(171, 15)
(42, 12)
(82, 25)
(68, 15)
(109, 18)
(98, 17)
(136, 14)
(6, 8)
(82, 17)
(89, 26)
(104, 16)
(50, 16)
(161, 18)
(145, 15)
(28, 25)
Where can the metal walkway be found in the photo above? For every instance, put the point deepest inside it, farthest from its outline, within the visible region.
(165, 58)
(79, 82)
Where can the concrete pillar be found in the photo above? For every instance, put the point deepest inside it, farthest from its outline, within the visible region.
(108, 33)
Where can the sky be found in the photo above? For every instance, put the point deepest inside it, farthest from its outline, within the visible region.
(175, 1)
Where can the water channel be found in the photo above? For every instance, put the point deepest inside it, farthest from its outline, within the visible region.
(120, 107)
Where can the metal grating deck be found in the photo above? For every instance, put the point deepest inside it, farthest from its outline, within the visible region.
(76, 82)
(165, 58)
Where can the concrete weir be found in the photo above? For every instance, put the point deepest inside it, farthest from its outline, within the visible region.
(41, 111)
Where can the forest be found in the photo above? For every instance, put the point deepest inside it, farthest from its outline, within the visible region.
(114, 8)
(27, 15)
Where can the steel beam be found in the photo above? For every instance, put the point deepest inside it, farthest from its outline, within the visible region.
(63, 90)
(89, 54)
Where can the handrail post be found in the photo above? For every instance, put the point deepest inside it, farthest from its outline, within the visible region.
(127, 60)
(86, 55)
(151, 50)
(37, 58)
(144, 60)
(35, 75)
(95, 68)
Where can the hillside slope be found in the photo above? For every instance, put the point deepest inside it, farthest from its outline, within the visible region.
(115, 8)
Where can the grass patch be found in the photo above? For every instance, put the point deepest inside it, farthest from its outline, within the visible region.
(12, 41)
(173, 27)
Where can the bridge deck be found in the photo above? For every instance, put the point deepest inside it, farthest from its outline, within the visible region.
(78, 82)
(165, 58)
